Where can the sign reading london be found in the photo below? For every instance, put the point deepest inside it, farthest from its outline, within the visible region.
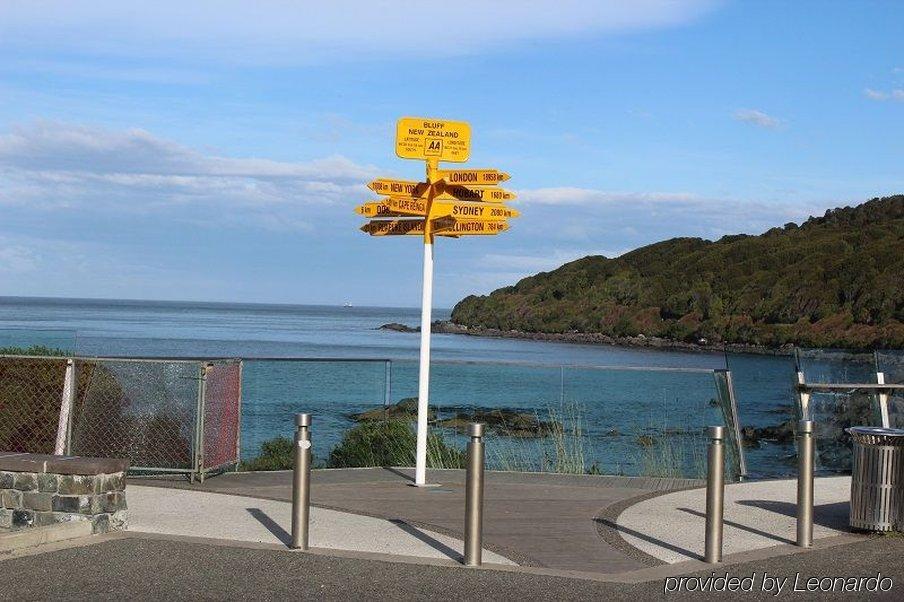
(451, 203)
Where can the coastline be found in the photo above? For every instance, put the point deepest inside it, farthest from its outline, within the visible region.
(589, 338)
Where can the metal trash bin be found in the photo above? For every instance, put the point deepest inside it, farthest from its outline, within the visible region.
(877, 479)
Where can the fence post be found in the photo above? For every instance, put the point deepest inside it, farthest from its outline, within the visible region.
(301, 482)
(64, 425)
(474, 498)
(715, 494)
(238, 412)
(387, 378)
(805, 483)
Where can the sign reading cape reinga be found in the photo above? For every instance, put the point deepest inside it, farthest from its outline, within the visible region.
(451, 203)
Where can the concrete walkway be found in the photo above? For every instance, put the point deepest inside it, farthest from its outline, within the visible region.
(230, 517)
(540, 520)
(758, 514)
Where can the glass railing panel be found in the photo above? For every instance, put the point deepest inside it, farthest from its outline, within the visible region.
(274, 390)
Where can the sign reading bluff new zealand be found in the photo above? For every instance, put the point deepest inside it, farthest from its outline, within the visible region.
(453, 203)
(418, 138)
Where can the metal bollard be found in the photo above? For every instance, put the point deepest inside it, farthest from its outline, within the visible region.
(301, 482)
(805, 483)
(474, 498)
(715, 494)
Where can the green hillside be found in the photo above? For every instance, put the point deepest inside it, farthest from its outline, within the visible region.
(834, 281)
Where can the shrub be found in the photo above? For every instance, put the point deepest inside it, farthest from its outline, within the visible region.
(276, 454)
(391, 443)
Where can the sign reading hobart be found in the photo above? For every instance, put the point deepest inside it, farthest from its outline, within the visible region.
(419, 138)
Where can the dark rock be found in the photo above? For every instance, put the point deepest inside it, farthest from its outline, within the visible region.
(406, 409)
(645, 440)
(397, 327)
(781, 433)
(501, 421)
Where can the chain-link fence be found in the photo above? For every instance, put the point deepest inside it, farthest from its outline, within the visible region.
(165, 415)
(31, 389)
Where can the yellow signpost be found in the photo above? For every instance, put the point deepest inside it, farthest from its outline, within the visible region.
(443, 226)
(473, 177)
(476, 193)
(451, 203)
(401, 206)
(419, 138)
(398, 187)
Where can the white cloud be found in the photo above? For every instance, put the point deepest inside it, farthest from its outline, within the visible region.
(58, 165)
(279, 32)
(875, 94)
(758, 118)
(585, 196)
(896, 94)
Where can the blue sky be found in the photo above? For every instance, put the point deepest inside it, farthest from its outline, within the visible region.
(215, 150)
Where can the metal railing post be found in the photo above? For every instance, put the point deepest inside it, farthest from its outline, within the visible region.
(805, 483)
(474, 498)
(301, 482)
(715, 494)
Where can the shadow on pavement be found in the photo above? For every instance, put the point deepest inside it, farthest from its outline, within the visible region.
(749, 529)
(656, 542)
(833, 516)
(399, 473)
(433, 543)
(271, 525)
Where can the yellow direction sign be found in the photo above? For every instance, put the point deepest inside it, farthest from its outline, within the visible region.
(474, 177)
(412, 206)
(376, 209)
(476, 193)
(444, 226)
(398, 187)
(394, 227)
(468, 227)
(424, 138)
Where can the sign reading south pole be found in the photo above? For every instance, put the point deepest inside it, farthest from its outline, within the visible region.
(451, 203)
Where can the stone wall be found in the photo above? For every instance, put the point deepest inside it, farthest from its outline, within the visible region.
(38, 490)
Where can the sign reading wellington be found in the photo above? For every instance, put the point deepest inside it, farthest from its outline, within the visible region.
(450, 203)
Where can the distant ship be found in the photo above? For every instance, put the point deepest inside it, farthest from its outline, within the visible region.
(347, 304)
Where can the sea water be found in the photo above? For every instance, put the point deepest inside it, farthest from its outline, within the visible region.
(625, 399)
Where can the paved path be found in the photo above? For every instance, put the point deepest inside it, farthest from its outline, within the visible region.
(758, 514)
(137, 569)
(545, 520)
(230, 517)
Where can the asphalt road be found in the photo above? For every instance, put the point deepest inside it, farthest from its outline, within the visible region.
(141, 569)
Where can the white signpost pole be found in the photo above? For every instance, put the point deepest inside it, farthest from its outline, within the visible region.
(423, 388)
(423, 384)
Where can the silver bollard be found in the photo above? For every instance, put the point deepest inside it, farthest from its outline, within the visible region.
(715, 494)
(301, 482)
(474, 498)
(805, 483)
